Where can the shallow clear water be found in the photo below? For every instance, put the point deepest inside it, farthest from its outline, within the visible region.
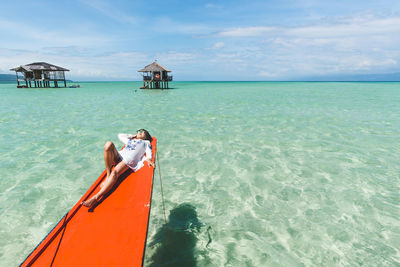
(254, 173)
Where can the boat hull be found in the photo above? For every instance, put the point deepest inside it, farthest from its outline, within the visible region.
(112, 233)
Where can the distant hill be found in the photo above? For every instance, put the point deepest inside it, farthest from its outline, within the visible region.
(7, 78)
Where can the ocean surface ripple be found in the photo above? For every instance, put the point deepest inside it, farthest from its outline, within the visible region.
(254, 173)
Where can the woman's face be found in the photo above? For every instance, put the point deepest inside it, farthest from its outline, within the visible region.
(140, 135)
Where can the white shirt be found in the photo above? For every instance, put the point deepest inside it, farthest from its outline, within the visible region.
(135, 152)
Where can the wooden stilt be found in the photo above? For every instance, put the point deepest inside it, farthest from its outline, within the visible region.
(16, 74)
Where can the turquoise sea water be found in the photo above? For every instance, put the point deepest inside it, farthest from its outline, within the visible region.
(254, 173)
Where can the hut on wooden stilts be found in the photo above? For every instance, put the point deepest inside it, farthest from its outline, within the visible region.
(40, 74)
(155, 76)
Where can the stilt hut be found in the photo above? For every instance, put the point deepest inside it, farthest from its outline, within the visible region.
(40, 74)
(155, 76)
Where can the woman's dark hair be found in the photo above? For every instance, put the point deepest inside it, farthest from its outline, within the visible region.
(147, 135)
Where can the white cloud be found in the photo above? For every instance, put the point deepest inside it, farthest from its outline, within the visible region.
(256, 31)
(344, 28)
(213, 6)
(356, 27)
(176, 57)
(349, 45)
(268, 74)
(218, 45)
(377, 26)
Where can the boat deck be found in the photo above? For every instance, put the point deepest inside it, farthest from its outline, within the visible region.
(112, 233)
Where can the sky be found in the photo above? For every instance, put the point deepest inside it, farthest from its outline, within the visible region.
(203, 40)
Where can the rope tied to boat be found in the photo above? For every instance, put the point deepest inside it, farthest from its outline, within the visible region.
(161, 185)
(163, 204)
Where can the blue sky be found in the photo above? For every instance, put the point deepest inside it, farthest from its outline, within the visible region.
(203, 40)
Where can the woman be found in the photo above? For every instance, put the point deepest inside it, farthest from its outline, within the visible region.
(137, 150)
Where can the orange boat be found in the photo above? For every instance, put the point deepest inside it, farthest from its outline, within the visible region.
(112, 233)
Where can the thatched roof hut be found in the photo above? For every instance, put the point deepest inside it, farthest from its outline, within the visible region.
(42, 66)
(155, 76)
(154, 67)
(41, 73)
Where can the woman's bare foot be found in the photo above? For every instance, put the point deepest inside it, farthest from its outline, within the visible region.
(90, 202)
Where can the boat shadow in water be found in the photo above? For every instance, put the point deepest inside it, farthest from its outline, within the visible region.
(176, 240)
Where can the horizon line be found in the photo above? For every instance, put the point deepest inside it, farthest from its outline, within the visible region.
(309, 81)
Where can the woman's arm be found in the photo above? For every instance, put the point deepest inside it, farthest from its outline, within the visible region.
(149, 155)
(124, 138)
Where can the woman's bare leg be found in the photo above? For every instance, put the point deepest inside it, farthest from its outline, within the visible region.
(110, 156)
(108, 184)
